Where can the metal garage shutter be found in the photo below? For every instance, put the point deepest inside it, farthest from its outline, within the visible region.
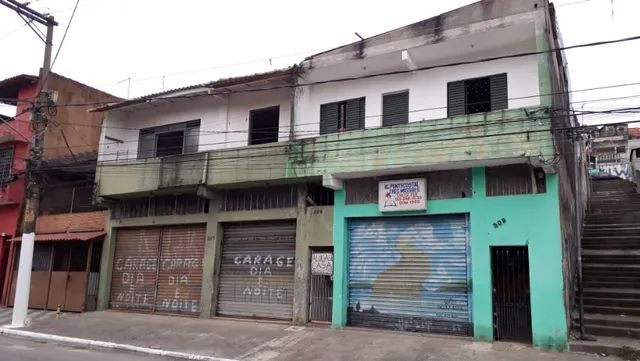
(133, 280)
(180, 269)
(410, 273)
(257, 270)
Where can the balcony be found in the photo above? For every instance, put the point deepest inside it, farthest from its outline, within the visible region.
(461, 141)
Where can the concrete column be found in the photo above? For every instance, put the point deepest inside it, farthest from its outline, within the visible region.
(106, 265)
(544, 59)
(211, 262)
(301, 276)
(340, 263)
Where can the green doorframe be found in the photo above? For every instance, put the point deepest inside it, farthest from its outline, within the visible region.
(532, 220)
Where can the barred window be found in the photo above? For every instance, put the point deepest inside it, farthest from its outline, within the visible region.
(6, 159)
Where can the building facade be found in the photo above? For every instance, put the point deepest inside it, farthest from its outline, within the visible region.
(69, 228)
(403, 181)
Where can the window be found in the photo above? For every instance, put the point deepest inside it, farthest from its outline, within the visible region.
(477, 95)
(395, 109)
(264, 125)
(342, 116)
(6, 159)
(180, 138)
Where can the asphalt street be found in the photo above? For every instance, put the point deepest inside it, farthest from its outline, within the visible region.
(17, 349)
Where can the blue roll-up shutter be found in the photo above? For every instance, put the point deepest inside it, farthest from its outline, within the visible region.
(410, 273)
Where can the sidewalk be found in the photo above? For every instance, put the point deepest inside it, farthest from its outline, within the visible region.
(264, 341)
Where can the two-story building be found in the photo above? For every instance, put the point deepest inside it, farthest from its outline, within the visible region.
(421, 180)
(69, 228)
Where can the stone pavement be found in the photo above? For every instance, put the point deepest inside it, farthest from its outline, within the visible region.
(33, 316)
(263, 341)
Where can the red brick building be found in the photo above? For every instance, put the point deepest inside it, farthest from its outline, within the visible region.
(71, 143)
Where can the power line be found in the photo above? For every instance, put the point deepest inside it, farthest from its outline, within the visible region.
(13, 31)
(302, 132)
(154, 77)
(291, 153)
(64, 35)
(369, 76)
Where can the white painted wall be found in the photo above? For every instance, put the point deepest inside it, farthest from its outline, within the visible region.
(427, 92)
(224, 121)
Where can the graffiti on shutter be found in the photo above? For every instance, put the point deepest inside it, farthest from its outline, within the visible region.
(410, 274)
(180, 269)
(158, 269)
(133, 281)
(258, 263)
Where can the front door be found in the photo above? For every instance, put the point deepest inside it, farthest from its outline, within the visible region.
(511, 293)
(321, 290)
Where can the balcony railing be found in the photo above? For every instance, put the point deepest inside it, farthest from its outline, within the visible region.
(508, 134)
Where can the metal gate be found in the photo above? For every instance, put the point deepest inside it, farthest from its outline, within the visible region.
(321, 290)
(257, 269)
(511, 296)
(158, 269)
(410, 273)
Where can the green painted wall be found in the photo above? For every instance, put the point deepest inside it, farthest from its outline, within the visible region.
(467, 138)
(532, 220)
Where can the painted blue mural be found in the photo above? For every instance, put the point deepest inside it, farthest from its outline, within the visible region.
(410, 273)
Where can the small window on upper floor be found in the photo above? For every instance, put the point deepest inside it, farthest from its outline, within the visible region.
(477, 95)
(180, 138)
(395, 109)
(264, 125)
(342, 116)
(6, 159)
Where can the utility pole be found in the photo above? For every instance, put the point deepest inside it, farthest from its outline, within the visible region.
(39, 121)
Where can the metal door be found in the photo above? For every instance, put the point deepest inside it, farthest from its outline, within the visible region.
(133, 279)
(257, 269)
(321, 285)
(511, 296)
(410, 273)
(180, 269)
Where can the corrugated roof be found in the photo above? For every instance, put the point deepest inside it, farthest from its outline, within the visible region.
(217, 84)
(10, 87)
(62, 237)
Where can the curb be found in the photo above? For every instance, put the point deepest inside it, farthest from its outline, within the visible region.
(601, 349)
(107, 345)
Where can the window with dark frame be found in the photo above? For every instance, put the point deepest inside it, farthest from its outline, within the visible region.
(6, 160)
(171, 139)
(342, 116)
(395, 109)
(264, 125)
(477, 95)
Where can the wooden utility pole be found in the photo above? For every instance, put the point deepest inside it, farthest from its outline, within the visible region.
(39, 121)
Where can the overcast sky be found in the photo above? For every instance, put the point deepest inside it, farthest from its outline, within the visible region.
(194, 41)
